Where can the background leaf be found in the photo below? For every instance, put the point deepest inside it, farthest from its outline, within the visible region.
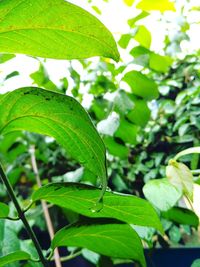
(182, 216)
(162, 194)
(4, 210)
(181, 177)
(161, 5)
(29, 27)
(141, 85)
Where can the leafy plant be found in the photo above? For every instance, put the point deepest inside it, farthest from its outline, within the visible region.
(29, 27)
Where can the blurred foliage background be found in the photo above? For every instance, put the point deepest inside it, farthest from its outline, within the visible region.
(146, 108)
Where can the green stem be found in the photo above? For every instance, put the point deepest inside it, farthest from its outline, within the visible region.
(22, 216)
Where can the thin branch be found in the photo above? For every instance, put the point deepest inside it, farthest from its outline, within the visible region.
(44, 206)
(22, 216)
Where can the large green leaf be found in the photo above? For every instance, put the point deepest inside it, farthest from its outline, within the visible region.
(4, 210)
(162, 194)
(58, 116)
(53, 29)
(112, 239)
(161, 5)
(14, 257)
(82, 198)
(141, 85)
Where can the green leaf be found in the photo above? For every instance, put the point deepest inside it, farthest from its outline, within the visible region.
(140, 114)
(161, 5)
(159, 63)
(124, 40)
(4, 210)
(14, 257)
(81, 199)
(191, 150)
(196, 263)
(129, 2)
(5, 57)
(111, 239)
(181, 177)
(115, 148)
(59, 116)
(162, 194)
(141, 85)
(143, 36)
(29, 27)
(127, 132)
(181, 216)
(142, 15)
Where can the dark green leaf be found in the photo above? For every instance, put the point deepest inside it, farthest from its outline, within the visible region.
(107, 238)
(29, 27)
(56, 115)
(4, 210)
(82, 198)
(13, 257)
(182, 216)
(115, 148)
(141, 85)
(140, 114)
(127, 132)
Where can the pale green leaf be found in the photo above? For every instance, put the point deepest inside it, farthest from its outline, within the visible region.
(191, 150)
(141, 85)
(59, 116)
(14, 257)
(143, 36)
(159, 63)
(142, 15)
(82, 198)
(108, 238)
(4, 210)
(129, 2)
(53, 29)
(181, 177)
(162, 194)
(160, 5)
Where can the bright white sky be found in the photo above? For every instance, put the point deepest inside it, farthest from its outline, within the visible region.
(114, 16)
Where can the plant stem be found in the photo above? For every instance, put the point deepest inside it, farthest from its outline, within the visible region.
(22, 216)
(44, 205)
